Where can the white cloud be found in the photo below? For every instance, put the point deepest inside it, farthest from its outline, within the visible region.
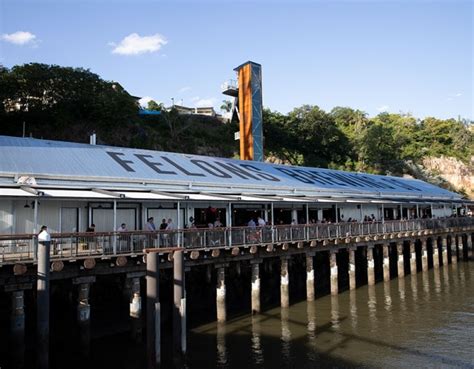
(205, 102)
(383, 108)
(19, 38)
(134, 44)
(184, 89)
(458, 94)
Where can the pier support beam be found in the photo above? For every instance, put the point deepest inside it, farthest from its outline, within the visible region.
(370, 265)
(424, 255)
(255, 286)
(43, 305)
(221, 295)
(454, 253)
(284, 283)
(412, 258)
(444, 250)
(153, 318)
(460, 246)
(434, 242)
(179, 307)
(469, 246)
(401, 260)
(135, 308)
(352, 269)
(309, 277)
(333, 268)
(386, 262)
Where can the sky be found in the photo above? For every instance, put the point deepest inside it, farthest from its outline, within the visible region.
(396, 56)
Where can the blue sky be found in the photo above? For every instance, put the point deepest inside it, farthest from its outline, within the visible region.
(408, 56)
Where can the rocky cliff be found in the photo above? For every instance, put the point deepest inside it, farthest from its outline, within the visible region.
(458, 175)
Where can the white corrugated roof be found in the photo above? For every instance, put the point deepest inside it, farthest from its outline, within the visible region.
(74, 165)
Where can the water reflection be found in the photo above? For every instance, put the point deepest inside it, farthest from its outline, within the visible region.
(257, 351)
(221, 345)
(285, 335)
(335, 312)
(353, 309)
(416, 322)
(372, 308)
(311, 327)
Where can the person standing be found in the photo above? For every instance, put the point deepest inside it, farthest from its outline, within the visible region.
(150, 225)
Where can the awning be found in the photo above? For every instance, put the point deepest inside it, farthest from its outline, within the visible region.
(15, 192)
(77, 194)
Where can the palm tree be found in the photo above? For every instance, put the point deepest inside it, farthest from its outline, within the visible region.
(226, 106)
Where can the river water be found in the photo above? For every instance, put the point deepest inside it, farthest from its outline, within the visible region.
(420, 321)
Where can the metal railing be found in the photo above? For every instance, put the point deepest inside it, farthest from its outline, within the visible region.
(68, 246)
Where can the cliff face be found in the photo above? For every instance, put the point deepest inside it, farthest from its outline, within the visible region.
(459, 175)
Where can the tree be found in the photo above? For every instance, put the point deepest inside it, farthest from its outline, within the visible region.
(226, 106)
(154, 106)
(66, 103)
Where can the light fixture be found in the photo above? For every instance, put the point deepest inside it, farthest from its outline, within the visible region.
(26, 204)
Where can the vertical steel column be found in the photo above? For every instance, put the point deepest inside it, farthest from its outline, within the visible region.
(43, 305)
(153, 336)
(114, 238)
(35, 228)
(229, 223)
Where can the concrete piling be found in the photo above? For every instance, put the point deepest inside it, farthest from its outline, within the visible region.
(333, 268)
(179, 331)
(386, 262)
(284, 283)
(454, 253)
(221, 295)
(153, 336)
(401, 260)
(255, 287)
(43, 305)
(412, 258)
(469, 246)
(135, 309)
(370, 265)
(444, 250)
(424, 255)
(352, 269)
(309, 277)
(435, 252)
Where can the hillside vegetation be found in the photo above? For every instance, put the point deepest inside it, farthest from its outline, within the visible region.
(55, 102)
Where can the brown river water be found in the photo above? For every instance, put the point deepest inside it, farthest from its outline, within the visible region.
(420, 321)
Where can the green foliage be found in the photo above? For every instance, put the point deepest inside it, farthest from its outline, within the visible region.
(69, 103)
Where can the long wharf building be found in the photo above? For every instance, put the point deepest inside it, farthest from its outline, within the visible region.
(217, 212)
